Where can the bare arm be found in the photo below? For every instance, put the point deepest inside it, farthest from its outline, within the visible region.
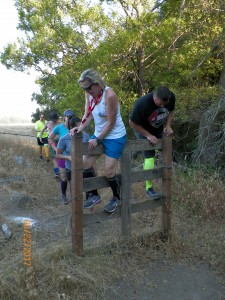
(59, 154)
(87, 121)
(87, 103)
(51, 140)
(168, 129)
(152, 139)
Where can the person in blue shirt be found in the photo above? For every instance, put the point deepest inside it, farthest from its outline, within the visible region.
(59, 131)
(64, 152)
(54, 121)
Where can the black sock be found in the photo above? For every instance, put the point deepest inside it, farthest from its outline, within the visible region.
(63, 187)
(88, 173)
(115, 186)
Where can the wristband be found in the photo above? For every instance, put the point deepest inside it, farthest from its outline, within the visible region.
(98, 140)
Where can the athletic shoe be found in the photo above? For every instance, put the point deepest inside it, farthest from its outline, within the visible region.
(56, 175)
(48, 159)
(112, 205)
(64, 200)
(92, 200)
(153, 194)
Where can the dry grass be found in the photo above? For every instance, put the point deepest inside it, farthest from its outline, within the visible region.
(199, 210)
(201, 192)
(56, 273)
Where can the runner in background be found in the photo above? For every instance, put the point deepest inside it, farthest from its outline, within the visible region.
(39, 125)
(54, 120)
(64, 152)
(59, 131)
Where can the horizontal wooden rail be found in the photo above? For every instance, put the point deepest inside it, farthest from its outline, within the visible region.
(136, 207)
(131, 146)
(136, 176)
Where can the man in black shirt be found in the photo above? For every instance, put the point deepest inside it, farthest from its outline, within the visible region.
(152, 115)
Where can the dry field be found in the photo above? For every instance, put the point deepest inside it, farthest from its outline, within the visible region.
(190, 266)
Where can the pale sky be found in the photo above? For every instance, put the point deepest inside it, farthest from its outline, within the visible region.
(16, 88)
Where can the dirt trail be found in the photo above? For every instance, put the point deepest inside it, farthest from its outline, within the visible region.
(170, 281)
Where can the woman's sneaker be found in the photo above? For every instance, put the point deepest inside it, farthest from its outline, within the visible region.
(153, 194)
(92, 200)
(64, 200)
(112, 205)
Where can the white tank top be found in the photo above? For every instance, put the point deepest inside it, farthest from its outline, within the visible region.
(100, 118)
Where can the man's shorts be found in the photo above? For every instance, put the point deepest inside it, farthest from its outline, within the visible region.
(44, 141)
(113, 147)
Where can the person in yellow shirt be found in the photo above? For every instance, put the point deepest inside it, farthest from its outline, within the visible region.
(44, 142)
(49, 125)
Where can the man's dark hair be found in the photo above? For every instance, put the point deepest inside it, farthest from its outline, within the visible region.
(72, 121)
(53, 116)
(163, 93)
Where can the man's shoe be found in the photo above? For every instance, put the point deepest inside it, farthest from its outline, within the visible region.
(112, 205)
(64, 200)
(48, 159)
(41, 157)
(153, 194)
(92, 200)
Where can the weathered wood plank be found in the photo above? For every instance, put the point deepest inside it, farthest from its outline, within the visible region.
(130, 146)
(99, 217)
(136, 176)
(77, 194)
(125, 167)
(166, 186)
(140, 176)
(141, 145)
(102, 216)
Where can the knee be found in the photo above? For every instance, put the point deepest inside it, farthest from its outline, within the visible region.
(63, 176)
(109, 173)
(87, 163)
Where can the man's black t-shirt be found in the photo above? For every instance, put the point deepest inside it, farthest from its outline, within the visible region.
(150, 116)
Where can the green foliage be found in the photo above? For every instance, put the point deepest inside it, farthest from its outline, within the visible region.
(136, 46)
(194, 100)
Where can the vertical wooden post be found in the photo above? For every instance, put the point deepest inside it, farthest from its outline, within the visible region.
(166, 185)
(77, 193)
(125, 170)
